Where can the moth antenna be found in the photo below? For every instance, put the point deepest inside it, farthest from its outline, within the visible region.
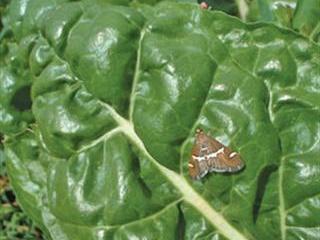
(199, 130)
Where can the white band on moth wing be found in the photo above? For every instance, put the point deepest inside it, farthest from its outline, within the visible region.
(198, 158)
(215, 154)
(232, 154)
(190, 165)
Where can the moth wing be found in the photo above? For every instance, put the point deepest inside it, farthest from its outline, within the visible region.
(226, 161)
(206, 141)
(215, 145)
(193, 164)
(197, 168)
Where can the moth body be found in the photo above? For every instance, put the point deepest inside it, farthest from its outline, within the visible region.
(209, 155)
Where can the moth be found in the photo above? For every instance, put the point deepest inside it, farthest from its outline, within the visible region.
(209, 155)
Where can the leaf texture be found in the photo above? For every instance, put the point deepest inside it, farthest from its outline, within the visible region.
(117, 94)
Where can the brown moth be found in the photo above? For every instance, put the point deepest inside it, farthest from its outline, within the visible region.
(209, 155)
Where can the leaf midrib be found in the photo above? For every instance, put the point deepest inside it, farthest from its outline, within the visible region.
(181, 184)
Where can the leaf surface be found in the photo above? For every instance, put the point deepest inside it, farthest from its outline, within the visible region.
(117, 94)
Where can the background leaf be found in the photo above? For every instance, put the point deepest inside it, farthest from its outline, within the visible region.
(280, 12)
(300, 15)
(306, 18)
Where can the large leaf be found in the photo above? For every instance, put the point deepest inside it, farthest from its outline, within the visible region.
(117, 96)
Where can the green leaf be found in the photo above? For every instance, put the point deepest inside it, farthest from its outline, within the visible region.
(306, 18)
(15, 100)
(280, 12)
(300, 15)
(117, 94)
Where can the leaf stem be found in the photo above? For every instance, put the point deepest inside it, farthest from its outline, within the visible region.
(189, 194)
(243, 9)
(136, 75)
(282, 210)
